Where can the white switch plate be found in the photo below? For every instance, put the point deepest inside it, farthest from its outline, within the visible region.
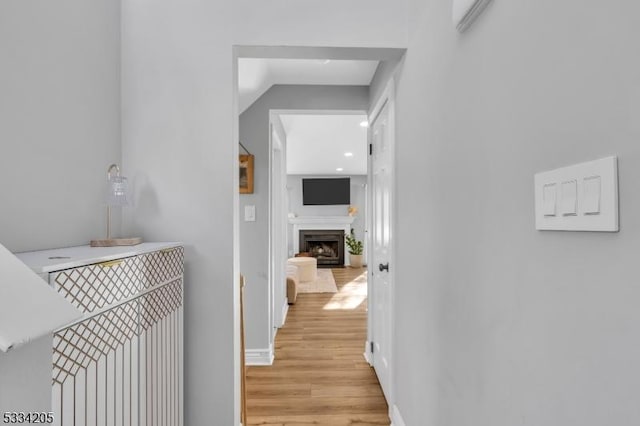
(582, 197)
(592, 194)
(549, 199)
(249, 213)
(569, 197)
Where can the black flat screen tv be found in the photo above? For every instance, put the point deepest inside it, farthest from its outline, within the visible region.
(326, 191)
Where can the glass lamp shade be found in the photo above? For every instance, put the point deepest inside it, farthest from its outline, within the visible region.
(117, 188)
(117, 194)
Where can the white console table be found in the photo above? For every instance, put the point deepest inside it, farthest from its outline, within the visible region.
(305, 223)
(121, 363)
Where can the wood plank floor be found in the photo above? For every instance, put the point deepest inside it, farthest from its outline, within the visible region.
(319, 376)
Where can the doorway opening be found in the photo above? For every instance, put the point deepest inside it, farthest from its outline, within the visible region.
(272, 229)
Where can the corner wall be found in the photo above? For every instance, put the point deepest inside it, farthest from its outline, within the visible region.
(59, 120)
(59, 131)
(499, 324)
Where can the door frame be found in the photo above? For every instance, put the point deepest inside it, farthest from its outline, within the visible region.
(277, 272)
(282, 52)
(386, 98)
(278, 314)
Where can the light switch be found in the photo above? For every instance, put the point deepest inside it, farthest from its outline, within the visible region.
(569, 205)
(249, 213)
(580, 197)
(592, 188)
(549, 197)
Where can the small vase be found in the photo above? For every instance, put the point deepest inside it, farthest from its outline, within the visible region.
(355, 260)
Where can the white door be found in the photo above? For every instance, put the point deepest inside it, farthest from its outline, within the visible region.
(381, 298)
(278, 237)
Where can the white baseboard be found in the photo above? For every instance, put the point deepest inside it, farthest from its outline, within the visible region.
(396, 418)
(259, 356)
(367, 352)
(285, 311)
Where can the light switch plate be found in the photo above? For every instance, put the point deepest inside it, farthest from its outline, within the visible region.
(550, 199)
(592, 194)
(586, 197)
(250, 213)
(569, 198)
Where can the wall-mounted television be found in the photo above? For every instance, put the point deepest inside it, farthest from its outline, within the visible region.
(326, 191)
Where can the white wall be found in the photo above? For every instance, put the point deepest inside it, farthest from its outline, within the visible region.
(180, 144)
(59, 131)
(358, 199)
(499, 324)
(25, 374)
(254, 134)
(59, 119)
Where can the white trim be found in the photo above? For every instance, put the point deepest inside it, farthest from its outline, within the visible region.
(276, 52)
(367, 353)
(277, 238)
(271, 323)
(285, 311)
(233, 160)
(259, 357)
(396, 418)
(466, 12)
(314, 220)
(386, 98)
(320, 52)
(318, 111)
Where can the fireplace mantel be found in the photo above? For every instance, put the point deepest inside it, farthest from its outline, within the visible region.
(321, 220)
(303, 223)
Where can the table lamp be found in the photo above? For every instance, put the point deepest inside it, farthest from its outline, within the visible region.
(116, 196)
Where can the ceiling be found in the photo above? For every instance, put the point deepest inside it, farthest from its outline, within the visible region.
(317, 143)
(257, 75)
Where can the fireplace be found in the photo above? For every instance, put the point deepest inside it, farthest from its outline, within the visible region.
(326, 245)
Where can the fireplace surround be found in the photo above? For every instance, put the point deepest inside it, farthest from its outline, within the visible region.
(317, 223)
(326, 245)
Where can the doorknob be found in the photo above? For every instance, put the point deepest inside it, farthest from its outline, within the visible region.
(384, 267)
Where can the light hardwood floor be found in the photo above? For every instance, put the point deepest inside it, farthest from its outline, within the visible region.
(319, 376)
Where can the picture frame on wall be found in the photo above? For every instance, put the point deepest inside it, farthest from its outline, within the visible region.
(246, 173)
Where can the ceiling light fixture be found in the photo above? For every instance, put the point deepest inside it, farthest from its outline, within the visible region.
(364, 123)
(348, 154)
(339, 169)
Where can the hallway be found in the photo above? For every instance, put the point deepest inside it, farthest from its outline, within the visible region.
(319, 375)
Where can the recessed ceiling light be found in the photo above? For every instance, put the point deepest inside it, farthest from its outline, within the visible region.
(364, 123)
(339, 169)
(348, 154)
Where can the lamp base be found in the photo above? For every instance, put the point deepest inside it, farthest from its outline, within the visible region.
(114, 242)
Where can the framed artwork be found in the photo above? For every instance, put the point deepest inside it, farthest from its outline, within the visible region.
(246, 174)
